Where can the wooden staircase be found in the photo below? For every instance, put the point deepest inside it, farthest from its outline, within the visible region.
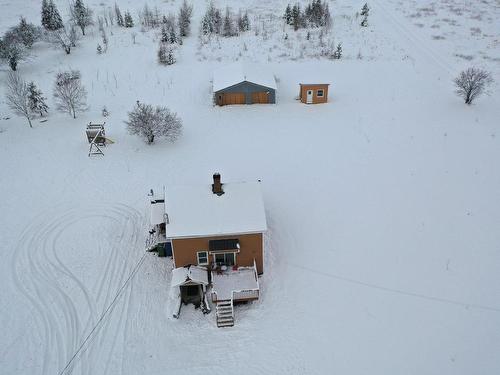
(225, 313)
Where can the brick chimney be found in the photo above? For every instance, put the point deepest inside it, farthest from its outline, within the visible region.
(217, 185)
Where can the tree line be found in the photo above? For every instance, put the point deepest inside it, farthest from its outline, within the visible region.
(213, 23)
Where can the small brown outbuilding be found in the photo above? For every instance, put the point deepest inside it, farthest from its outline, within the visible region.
(313, 93)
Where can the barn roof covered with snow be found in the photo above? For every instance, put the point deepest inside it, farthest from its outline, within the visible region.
(196, 211)
(236, 73)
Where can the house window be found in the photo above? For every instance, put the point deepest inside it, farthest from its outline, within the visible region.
(202, 258)
(320, 93)
(224, 259)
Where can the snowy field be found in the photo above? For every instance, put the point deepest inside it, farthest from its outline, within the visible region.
(383, 249)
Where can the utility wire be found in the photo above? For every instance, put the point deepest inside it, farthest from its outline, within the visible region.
(399, 291)
(108, 309)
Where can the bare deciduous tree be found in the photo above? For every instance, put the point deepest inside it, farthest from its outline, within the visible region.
(18, 96)
(66, 38)
(69, 94)
(471, 83)
(150, 123)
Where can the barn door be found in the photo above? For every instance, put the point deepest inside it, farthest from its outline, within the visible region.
(260, 97)
(233, 98)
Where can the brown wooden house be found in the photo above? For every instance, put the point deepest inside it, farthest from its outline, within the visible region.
(218, 227)
(313, 93)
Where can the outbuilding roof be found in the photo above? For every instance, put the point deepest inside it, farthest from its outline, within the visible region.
(233, 74)
(195, 211)
(191, 274)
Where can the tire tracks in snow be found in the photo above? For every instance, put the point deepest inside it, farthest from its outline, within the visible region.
(65, 307)
(414, 39)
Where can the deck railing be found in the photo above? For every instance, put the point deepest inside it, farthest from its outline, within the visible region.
(245, 294)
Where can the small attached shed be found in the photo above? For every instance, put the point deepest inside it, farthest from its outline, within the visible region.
(243, 84)
(192, 282)
(313, 93)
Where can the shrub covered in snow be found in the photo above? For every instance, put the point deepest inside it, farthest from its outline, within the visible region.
(150, 123)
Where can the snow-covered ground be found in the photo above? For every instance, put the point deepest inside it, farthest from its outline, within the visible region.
(383, 248)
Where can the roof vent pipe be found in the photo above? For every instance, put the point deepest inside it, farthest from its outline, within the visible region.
(217, 185)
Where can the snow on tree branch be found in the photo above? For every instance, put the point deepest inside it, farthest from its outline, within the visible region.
(69, 94)
(152, 122)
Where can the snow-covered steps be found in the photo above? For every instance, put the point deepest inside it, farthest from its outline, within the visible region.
(225, 313)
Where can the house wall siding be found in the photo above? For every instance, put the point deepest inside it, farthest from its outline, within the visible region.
(247, 88)
(315, 88)
(251, 247)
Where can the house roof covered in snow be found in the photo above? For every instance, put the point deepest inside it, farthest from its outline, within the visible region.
(233, 74)
(157, 212)
(195, 211)
(191, 274)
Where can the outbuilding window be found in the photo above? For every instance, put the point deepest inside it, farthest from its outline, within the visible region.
(202, 258)
(320, 93)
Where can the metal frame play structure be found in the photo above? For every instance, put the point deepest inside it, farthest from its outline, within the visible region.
(96, 137)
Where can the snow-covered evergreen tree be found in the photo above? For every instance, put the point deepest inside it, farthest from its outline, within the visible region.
(36, 100)
(243, 22)
(45, 15)
(99, 49)
(228, 24)
(365, 10)
(296, 17)
(185, 14)
(172, 36)
(212, 21)
(81, 14)
(28, 33)
(288, 15)
(164, 33)
(327, 18)
(162, 54)
(364, 21)
(315, 14)
(51, 19)
(337, 54)
(119, 18)
(166, 55)
(128, 21)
